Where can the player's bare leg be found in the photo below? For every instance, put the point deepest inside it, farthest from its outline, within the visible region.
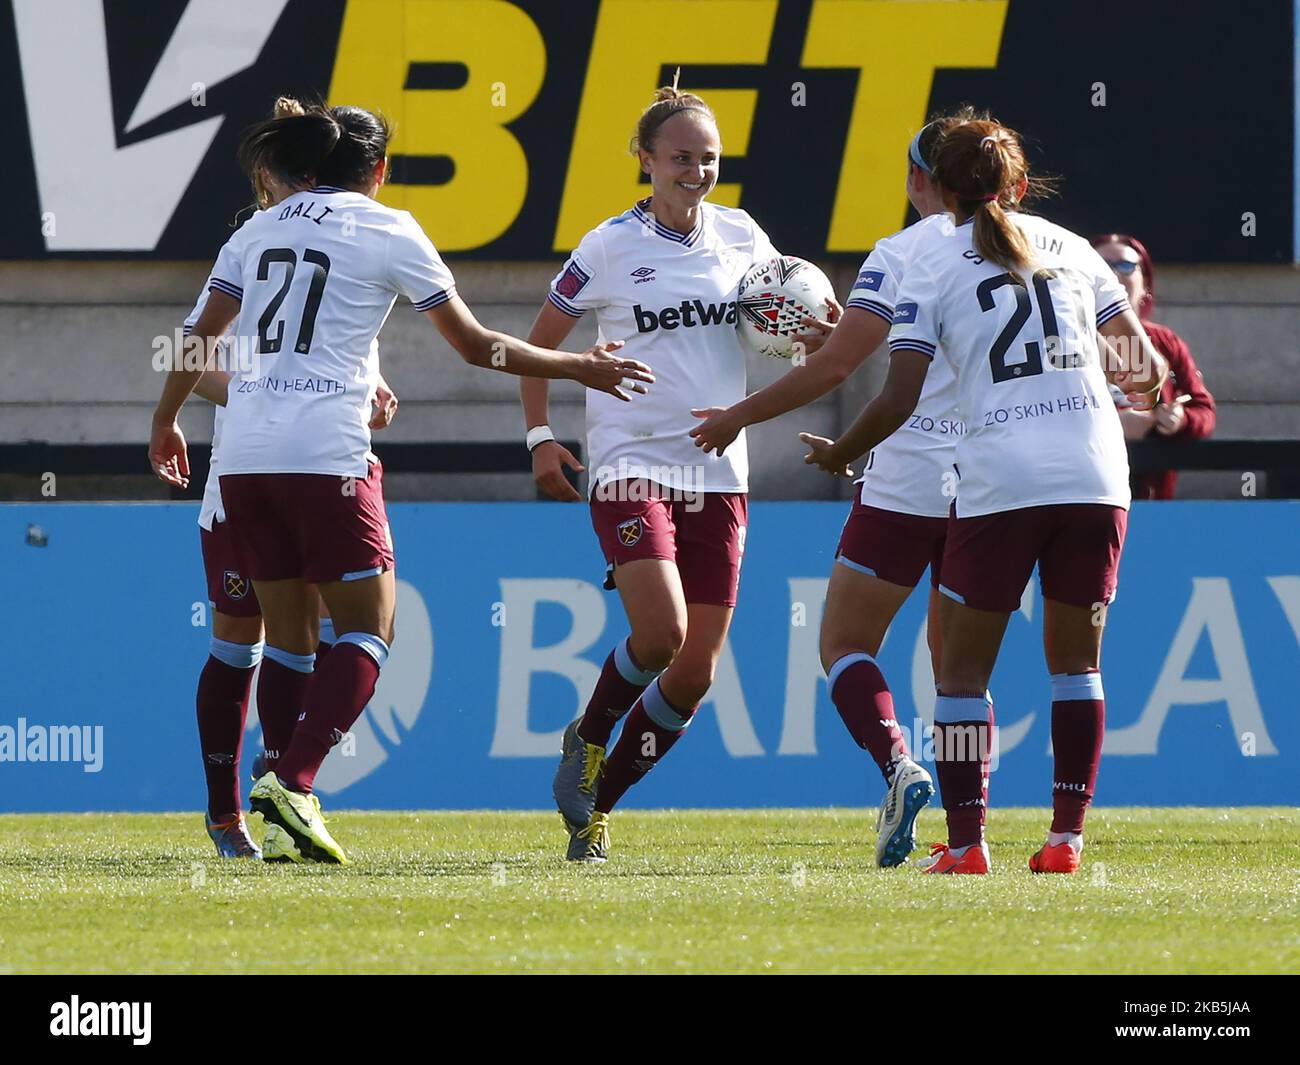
(963, 732)
(222, 708)
(859, 609)
(1072, 645)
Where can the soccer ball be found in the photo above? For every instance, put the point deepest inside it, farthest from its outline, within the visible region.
(775, 297)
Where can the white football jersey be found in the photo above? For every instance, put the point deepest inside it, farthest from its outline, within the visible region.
(212, 508)
(672, 298)
(911, 471)
(317, 276)
(1040, 424)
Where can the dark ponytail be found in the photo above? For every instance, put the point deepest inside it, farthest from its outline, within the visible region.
(290, 148)
(337, 146)
(362, 145)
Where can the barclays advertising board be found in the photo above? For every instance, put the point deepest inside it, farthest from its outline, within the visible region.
(502, 626)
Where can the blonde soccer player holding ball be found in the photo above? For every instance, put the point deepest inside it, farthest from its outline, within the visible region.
(663, 277)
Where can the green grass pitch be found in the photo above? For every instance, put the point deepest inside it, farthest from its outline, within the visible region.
(780, 891)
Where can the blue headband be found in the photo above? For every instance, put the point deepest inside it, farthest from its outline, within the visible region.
(914, 149)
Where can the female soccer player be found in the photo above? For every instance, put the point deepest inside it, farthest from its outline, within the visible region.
(1043, 472)
(237, 645)
(897, 524)
(313, 281)
(671, 522)
(226, 679)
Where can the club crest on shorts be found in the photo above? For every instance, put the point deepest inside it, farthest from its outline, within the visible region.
(235, 585)
(629, 532)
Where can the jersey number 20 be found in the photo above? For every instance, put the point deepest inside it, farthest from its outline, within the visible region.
(268, 344)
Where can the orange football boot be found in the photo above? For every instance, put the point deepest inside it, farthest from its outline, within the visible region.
(942, 860)
(1061, 858)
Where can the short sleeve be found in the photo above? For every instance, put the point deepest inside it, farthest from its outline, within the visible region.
(764, 249)
(1107, 290)
(917, 324)
(228, 274)
(876, 286)
(579, 285)
(416, 270)
(199, 304)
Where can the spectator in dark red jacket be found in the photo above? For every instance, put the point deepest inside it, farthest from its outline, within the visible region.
(1186, 408)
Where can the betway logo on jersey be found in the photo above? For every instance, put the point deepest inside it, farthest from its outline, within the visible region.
(688, 314)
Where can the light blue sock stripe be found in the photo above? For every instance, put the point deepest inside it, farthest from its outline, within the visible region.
(368, 642)
(841, 664)
(327, 633)
(301, 663)
(629, 670)
(1073, 686)
(949, 709)
(658, 710)
(237, 655)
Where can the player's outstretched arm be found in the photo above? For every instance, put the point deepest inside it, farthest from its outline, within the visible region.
(167, 451)
(1130, 360)
(600, 367)
(857, 334)
(549, 457)
(882, 416)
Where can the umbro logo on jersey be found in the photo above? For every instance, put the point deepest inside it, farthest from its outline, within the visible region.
(643, 274)
(688, 313)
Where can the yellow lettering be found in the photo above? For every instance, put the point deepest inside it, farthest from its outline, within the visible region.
(503, 53)
(896, 47)
(634, 39)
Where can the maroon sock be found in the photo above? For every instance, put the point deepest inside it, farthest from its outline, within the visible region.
(862, 697)
(222, 706)
(1078, 728)
(621, 683)
(652, 728)
(344, 685)
(321, 650)
(281, 696)
(963, 735)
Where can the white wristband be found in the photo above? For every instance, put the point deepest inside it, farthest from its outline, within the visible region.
(538, 435)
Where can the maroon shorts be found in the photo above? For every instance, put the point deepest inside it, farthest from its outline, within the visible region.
(229, 588)
(703, 533)
(313, 526)
(989, 559)
(894, 547)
